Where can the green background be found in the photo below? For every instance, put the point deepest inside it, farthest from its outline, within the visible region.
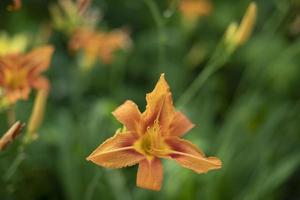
(247, 113)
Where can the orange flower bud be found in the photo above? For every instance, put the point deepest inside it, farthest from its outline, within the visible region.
(10, 135)
(37, 114)
(245, 29)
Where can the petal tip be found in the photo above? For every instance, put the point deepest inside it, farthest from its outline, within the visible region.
(162, 77)
(89, 158)
(216, 162)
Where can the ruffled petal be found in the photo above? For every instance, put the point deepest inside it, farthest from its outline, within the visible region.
(150, 174)
(116, 152)
(38, 60)
(14, 95)
(129, 115)
(189, 156)
(180, 125)
(159, 105)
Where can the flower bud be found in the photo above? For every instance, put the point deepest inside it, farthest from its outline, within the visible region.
(10, 135)
(246, 27)
(37, 114)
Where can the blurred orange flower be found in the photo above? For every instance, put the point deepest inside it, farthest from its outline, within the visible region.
(82, 5)
(17, 4)
(19, 73)
(192, 9)
(98, 44)
(152, 135)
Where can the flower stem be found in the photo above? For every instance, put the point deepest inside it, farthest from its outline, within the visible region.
(92, 186)
(218, 59)
(15, 164)
(11, 115)
(160, 29)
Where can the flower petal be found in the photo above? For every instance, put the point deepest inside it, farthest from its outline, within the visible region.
(189, 156)
(14, 95)
(150, 174)
(180, 125)
(116, 152)
(38, 59)
(82, 5)
(159, 105)
(40, 83)
(129, 115)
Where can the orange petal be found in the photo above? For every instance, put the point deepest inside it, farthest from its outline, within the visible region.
(159, 105)
(82, 5)
(39, 59)
(129, 115)
(180, 125)
(15, 95)
(41, 83)
(189, 156)
(116, 152)
(150, 174)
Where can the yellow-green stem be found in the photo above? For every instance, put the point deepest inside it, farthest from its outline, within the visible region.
(11, 115)
(160, 29)
(219, 58)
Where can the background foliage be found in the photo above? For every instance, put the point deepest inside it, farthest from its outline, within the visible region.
(247, 114)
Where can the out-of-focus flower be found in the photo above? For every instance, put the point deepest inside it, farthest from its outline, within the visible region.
(10, 135)
(68, 16)
(193, 9)
(19, 73)
(15, 44)
(17, 4)
(98, 44)
(152, 135)
(238, 35)
(82, 5)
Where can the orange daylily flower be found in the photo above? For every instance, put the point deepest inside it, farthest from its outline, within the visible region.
(19, 73)
(192, 9)
(149, 136)
(97, 44)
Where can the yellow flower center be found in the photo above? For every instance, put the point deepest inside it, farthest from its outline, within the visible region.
(152, 143)
(15, 78)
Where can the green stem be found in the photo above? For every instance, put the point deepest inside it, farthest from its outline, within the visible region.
(218, 59)
(11, 115)
(15, 164)
(92, 186)
(160, 29)
(21, 156)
